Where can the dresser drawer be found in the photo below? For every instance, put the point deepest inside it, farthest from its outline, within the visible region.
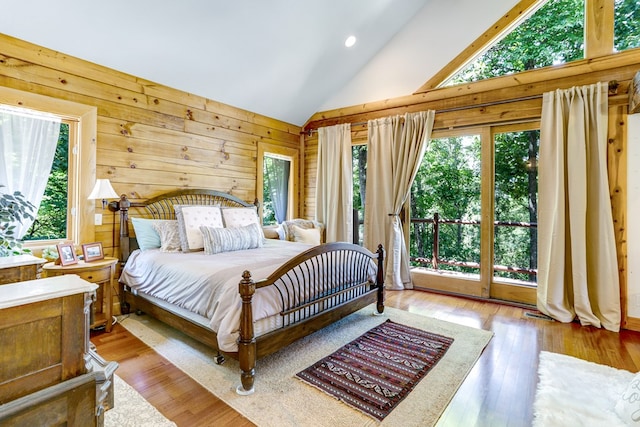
(95, 276)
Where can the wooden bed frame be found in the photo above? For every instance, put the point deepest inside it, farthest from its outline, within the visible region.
(353, 292)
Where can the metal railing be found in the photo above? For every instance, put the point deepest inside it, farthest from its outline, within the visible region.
(435, 259)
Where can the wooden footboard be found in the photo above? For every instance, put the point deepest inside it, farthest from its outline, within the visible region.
(316, 288)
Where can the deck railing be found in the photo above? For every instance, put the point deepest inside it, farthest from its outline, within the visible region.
(435, 259)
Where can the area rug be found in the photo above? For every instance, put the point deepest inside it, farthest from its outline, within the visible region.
(374, 372)
(130, 409)
(281, 399)
(574, 392)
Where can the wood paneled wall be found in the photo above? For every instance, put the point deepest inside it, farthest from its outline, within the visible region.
(151, 138)
(503, 100)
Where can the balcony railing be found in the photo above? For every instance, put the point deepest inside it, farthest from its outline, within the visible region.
(435, 261)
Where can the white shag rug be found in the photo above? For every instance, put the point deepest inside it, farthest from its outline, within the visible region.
(282, 400)
(130, 409)
(574, 392)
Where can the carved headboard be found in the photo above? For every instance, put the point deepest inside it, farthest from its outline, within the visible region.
(162, 207)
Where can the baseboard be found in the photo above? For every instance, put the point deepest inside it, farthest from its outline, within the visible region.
(633, 324)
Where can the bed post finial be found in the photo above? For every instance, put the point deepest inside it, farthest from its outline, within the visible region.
(247, 339)
(380, 279)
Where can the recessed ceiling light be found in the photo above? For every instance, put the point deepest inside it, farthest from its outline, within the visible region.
(350, 41)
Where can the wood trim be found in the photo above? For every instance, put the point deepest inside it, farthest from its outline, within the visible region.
(618, 190)
(598, 28)
(632, 324)
(446, 282)
(498, 30)
(514, 293)
(487, 191)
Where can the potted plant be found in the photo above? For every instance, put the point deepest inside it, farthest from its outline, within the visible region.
(13, 207)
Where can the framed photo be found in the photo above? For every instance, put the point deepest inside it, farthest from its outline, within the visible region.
(92, 251)
(67, 255)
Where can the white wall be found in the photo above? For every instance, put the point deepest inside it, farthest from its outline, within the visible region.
(633, 211)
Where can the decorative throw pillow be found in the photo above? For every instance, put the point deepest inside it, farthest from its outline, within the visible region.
(628, 405)
(306, 235)
(168, 232)
(301, 223)
(146, 235)
(218, 240)
(271, 232)
(190, 219)
(239, 217)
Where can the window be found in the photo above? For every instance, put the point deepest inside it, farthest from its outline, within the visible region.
(626, 32)
(553, 35)
(82, 120)
(359, 158)
(277, 183)
(51, 219)
(276, 173)
(516, 205)
(445, 206)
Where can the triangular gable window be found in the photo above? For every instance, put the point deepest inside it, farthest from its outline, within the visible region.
(553, 35)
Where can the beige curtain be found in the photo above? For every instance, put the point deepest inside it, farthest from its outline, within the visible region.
(395, 149)
(577, 264)
(334, 186)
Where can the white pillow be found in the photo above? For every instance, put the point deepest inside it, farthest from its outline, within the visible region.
(169, 238)
(239, 217)
(306, 235)
(218, 240)
(190, 219)
(628, 405)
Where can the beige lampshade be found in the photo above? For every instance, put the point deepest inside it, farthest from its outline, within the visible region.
(103, 190)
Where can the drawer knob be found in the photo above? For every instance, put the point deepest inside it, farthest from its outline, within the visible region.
(90, 277)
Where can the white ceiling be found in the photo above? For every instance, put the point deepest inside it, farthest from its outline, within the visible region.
(285, 59)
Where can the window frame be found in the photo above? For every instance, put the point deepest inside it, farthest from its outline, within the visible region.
(293, 154)
(82, 162)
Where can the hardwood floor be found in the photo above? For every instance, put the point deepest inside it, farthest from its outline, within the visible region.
(499, 391)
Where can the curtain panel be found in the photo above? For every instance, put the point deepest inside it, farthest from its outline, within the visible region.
(334, 185)
(396, 146)
(577, 263)
(28, 142)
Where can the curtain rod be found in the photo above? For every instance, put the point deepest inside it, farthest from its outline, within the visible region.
(613, 90)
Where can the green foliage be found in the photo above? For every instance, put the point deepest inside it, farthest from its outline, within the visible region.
(626, 33)
(448, 183)
(553, 35)
(13, 208)
(51, 219)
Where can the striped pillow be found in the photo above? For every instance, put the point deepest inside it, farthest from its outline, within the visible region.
(218, 240)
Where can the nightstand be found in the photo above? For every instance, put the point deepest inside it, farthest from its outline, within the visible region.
(101, 273)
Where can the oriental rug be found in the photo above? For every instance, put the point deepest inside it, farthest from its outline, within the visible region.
(374, 372)
(282, 400)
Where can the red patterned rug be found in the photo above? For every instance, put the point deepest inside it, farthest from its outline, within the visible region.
(374, 372)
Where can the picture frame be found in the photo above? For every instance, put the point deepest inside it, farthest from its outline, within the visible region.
(66, 254)
(92, 251)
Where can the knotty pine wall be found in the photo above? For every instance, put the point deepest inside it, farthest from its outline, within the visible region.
(150, 138)
(504, 100)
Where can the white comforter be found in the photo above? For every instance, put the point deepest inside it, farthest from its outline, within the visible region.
(208, 284)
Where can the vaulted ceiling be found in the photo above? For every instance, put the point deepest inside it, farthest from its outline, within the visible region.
(285, 59)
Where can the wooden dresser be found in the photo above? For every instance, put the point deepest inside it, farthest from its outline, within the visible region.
(48, 373)
(19, 268)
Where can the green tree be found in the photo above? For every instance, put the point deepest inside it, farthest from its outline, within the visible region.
(51, 219)
(552, 35)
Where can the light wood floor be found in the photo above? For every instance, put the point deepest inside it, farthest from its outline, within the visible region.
(499, 391)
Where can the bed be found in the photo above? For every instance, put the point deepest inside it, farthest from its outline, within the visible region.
(250, 302)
